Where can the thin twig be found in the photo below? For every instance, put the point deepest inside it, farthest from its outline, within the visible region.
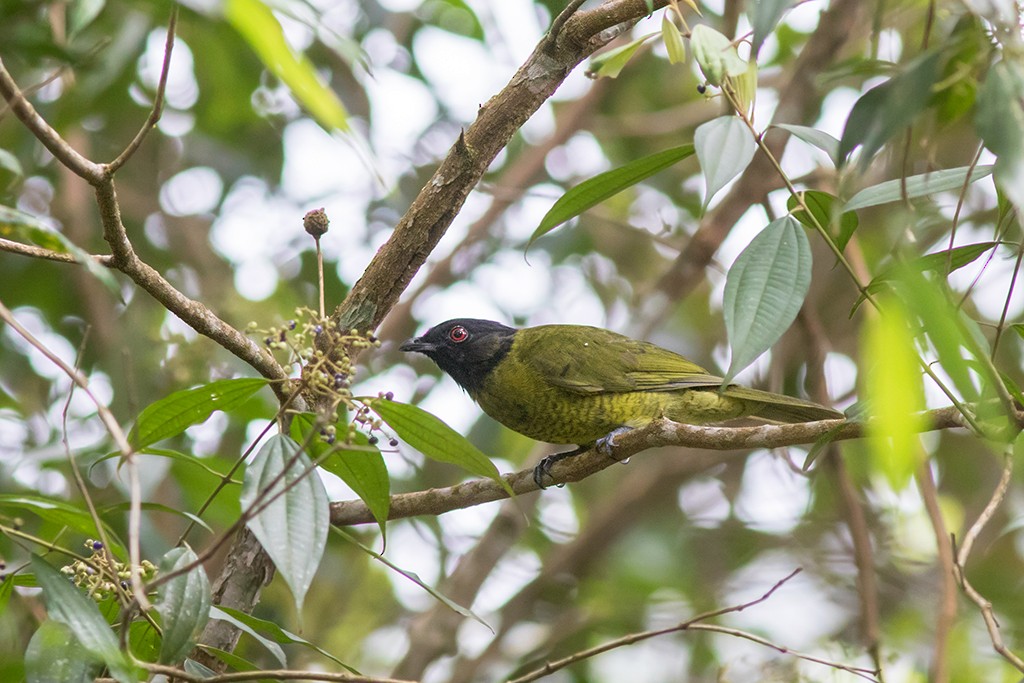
(939, 670)
(32, 250)
(177, 674)
(694, 624)
(158, 100)
(984, 605)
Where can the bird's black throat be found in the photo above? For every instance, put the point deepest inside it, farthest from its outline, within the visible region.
(470, 360)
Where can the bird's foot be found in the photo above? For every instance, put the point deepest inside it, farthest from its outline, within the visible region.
(543, 468)
(605, 446)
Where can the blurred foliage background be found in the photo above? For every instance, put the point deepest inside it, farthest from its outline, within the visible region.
(214, 198)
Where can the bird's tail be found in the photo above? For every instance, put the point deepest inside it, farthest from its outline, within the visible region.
(781, 408)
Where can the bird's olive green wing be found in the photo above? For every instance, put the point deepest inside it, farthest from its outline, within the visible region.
(589, 360)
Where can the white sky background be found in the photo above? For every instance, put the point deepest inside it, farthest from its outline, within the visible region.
(321, 170)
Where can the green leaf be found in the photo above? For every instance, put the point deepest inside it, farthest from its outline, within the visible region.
(724, 148)
(434, 439)
(22, 227)
(54, 654)
(277, 634)
(595, 190)
(885, 110)
(360, 466)
(937, 262)
(175, 413)
(1000, 120)
(260, 28)
(183, 604)
(273, 648)
(917, 186)
(715, 54)
(818, 138)
(823, 207)
(611, 63)
(959, 346)
(673, 40)
(168, 453)
(55, 511)
(894, 394)
(745, 88)
(82, 13)
(454, 16)
(765, 17)
(414, 577)
(6, 588)
(10, 170)
(292, 528)
(158, 507)
(764, 290)
(67, 605)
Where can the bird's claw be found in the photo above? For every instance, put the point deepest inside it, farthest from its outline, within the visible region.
(606, 444)
(543, 468)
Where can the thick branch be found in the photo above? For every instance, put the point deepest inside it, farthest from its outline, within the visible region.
(441, 199)
(658, 433)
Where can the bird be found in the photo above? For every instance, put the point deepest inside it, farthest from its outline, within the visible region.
(576, 384)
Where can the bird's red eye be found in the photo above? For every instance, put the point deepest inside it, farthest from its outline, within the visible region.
(458, 334)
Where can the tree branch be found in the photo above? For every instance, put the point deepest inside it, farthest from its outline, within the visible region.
(32, 250)
(658, 433)
(694, 624)
(441, 199)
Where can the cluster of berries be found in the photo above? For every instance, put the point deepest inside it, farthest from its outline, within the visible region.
(97, 574)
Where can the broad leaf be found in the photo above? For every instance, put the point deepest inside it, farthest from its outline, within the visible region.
(54, 654)
(595, 190)
(1000, 120)
(183, 604)
(25, 228)
(764, 291)
(66, 604)
(715, 54)
(724, 148)
(176, 412)
(945, 261)
(360, 466)
(276, 634)
(885, 110)
(611, 63)
(434, 439)
(293, 527)
(57, 512)
(765, 17)
(917, 186)
(673, 40)
(818, 138)
(273, 648)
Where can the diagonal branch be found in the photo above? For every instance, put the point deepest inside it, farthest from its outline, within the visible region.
(498, 119)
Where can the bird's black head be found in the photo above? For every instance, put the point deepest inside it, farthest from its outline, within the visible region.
(466, 348)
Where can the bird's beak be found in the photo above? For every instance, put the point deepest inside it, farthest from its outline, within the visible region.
(417, 345)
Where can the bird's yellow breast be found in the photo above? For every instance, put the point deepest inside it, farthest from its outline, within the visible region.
(522, 399)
